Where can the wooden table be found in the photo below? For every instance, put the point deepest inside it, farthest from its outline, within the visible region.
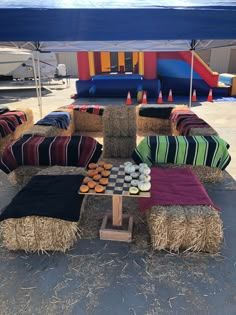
(117, 227)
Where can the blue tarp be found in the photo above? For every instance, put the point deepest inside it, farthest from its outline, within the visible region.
(55, 20)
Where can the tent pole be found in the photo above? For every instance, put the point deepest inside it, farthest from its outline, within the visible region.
(40, 88)
(191, 80)
(36, 85)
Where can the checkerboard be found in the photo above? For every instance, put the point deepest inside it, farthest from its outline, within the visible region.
(116, 184)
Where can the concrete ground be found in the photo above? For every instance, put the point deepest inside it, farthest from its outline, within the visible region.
(102, 277)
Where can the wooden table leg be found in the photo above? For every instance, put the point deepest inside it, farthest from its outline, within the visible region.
(117, 210)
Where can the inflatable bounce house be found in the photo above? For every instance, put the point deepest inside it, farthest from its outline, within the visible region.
(113, 74)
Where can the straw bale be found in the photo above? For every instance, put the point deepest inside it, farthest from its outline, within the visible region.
(157, 125)
(205, 174)
(22, 174)
(180, 107)
(203, 132)
(119, 121)
(118, 147)
(174, 131)
(23, 127)
(44, 131)
(191, 228)
(5, 141)
(87, 122)
(63, 170)
(38, 234)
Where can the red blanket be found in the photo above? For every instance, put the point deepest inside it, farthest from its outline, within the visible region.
(175, 187)
(91, 109)
(37, 150)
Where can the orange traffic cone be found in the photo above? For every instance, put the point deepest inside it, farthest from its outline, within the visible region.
(170, 97)
(210, 98)
(128, 100)
(194, 97)
(144, 100)
(159, 100)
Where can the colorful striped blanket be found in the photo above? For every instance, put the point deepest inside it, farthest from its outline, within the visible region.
(58, 119)
(209, 151)
(91, 109)
(37, 151)
(10, 120)
(181, 113)
(185, 126)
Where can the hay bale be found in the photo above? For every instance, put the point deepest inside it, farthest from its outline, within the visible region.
(63, 170)
(119, 121)
(189, 228)
(4, 142)
(38, 234)
(158, 125)
(22, 174)
(203, 132)
(87, 122)
(44, 131)
(174, 131)
(118, 147)
(205, 174)
(25, 126)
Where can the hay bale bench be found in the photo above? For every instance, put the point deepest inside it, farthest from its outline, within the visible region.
(207, 156)
(13, 124)
(44, 215)
(180, 214)
(185, 122)
(86, 117)
(36, 152)
(56, 123)
(154, 118)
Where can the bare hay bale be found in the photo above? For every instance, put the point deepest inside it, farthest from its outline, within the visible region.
(205, 174)
(21, 175)
(63, 170)
(4, 142)
(174, 131)
(157, 125)
(87, 122)
(118, 147)
(38, 234)
(202, 132)
(119, 121)
(44, 131)
(176, 220)
(25, 126)
(191, 228)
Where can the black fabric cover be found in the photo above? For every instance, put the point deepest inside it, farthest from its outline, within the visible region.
(163, 113)
(48, 196)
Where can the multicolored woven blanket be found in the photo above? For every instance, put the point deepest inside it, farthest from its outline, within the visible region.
(37, 150)
(10, 120)
(91, 109)
(193, 150)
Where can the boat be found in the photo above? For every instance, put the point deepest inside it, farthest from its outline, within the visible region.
(11, 58)
(47, 64)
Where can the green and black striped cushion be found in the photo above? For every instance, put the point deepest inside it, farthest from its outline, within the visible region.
(193, 150)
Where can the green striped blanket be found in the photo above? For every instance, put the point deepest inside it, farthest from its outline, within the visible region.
(194, 150)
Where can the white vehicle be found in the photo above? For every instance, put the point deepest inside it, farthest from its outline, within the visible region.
(47, 62)
(11, 58)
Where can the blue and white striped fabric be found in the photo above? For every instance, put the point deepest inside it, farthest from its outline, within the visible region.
(58, 119)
